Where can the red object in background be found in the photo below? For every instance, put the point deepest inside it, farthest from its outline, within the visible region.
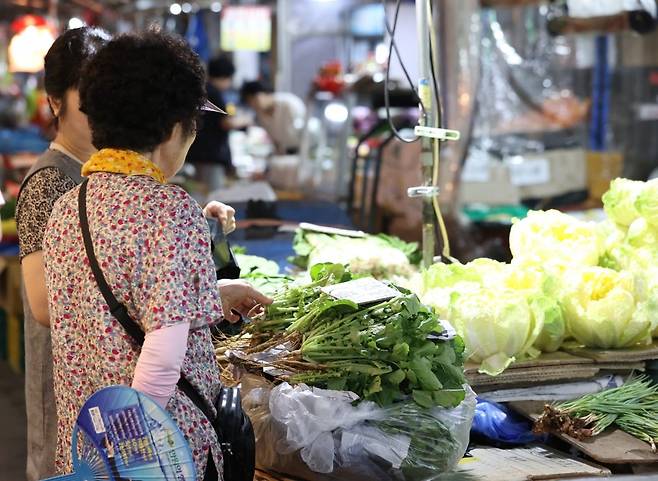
(90, 17)
(21, 23)
(653, 77)
(330, 78)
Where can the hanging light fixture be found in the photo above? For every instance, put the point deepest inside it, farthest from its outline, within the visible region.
(33, 36)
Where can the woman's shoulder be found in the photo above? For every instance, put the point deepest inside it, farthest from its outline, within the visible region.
(167, 201)
(47, 178)
(43, 188)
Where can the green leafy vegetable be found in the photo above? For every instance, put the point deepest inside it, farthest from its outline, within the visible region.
(555, 241)
(383, 352)
(261, 273)
(647, 202)
(432, 443)
(601, 308)
(619, 201)
(381, 256)
(502, 311)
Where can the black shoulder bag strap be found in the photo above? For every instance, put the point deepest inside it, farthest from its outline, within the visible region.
(119, 310)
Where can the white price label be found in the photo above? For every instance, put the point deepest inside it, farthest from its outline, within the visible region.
(528, 172)
(362, 291)
(331, 230)
(476, 168)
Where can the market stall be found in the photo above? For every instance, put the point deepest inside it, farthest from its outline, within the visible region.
(477, 303)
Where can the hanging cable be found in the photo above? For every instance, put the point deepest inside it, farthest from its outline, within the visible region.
(393, 46)
(445, 251)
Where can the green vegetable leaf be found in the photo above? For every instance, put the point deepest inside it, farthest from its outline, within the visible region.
(400, 351)
(423, 398)
(423, 370)
(337, 383)
(375, 386)
(448, 398)
(395, 378)
(327, 271)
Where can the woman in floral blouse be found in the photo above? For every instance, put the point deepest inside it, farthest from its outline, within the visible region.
(141, 94)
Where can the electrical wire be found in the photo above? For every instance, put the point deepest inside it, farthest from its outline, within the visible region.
(445, 251)
(437, 93)
(393, 46)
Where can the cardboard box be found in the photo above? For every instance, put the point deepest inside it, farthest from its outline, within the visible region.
(568, 173)
(528, 176)
(607, 356)
(494, 187)
(602, 167)
(576, 365)
(638, 50)
(523, 464)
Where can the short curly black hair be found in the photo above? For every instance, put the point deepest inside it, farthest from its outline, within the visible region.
(138, 87)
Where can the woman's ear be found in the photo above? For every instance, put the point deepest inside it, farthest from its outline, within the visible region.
(55, 105)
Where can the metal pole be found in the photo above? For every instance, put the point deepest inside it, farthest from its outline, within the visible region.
(283, 81)
(429, 118)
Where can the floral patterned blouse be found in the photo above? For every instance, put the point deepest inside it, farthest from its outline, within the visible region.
(153, 244)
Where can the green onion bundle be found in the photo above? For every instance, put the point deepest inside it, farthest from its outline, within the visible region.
(633, 408)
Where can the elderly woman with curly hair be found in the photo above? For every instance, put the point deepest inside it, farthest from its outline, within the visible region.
(141, 94)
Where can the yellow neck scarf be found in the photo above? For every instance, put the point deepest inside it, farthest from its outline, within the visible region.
(125, 162)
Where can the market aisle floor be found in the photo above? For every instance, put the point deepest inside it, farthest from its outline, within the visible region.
(12, 425)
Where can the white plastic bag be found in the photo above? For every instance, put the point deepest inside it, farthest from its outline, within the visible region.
(323, 435)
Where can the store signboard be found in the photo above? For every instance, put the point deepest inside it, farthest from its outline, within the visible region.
(246, 28)
(368, 20)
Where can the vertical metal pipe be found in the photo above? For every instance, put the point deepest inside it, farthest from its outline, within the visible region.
(429, 118)
(283, 78)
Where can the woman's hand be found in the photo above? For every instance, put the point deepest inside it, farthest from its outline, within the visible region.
(225, 214)
(239, 297)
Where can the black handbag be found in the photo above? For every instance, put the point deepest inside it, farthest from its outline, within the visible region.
(233, 427)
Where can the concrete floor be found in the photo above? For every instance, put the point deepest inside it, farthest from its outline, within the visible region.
(12, 425)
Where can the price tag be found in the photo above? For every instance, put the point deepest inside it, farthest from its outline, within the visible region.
(528, 171)
(447, 334)
(331, 230)
(362, 291)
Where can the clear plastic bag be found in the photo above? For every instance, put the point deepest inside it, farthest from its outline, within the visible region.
(320, 435)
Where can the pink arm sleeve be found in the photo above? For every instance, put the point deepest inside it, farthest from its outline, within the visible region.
(158, 366)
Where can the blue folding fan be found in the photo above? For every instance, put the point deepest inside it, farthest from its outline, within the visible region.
(123, 435)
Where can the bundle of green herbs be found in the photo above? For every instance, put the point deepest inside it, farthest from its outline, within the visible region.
(385, 352)
(633, 408)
